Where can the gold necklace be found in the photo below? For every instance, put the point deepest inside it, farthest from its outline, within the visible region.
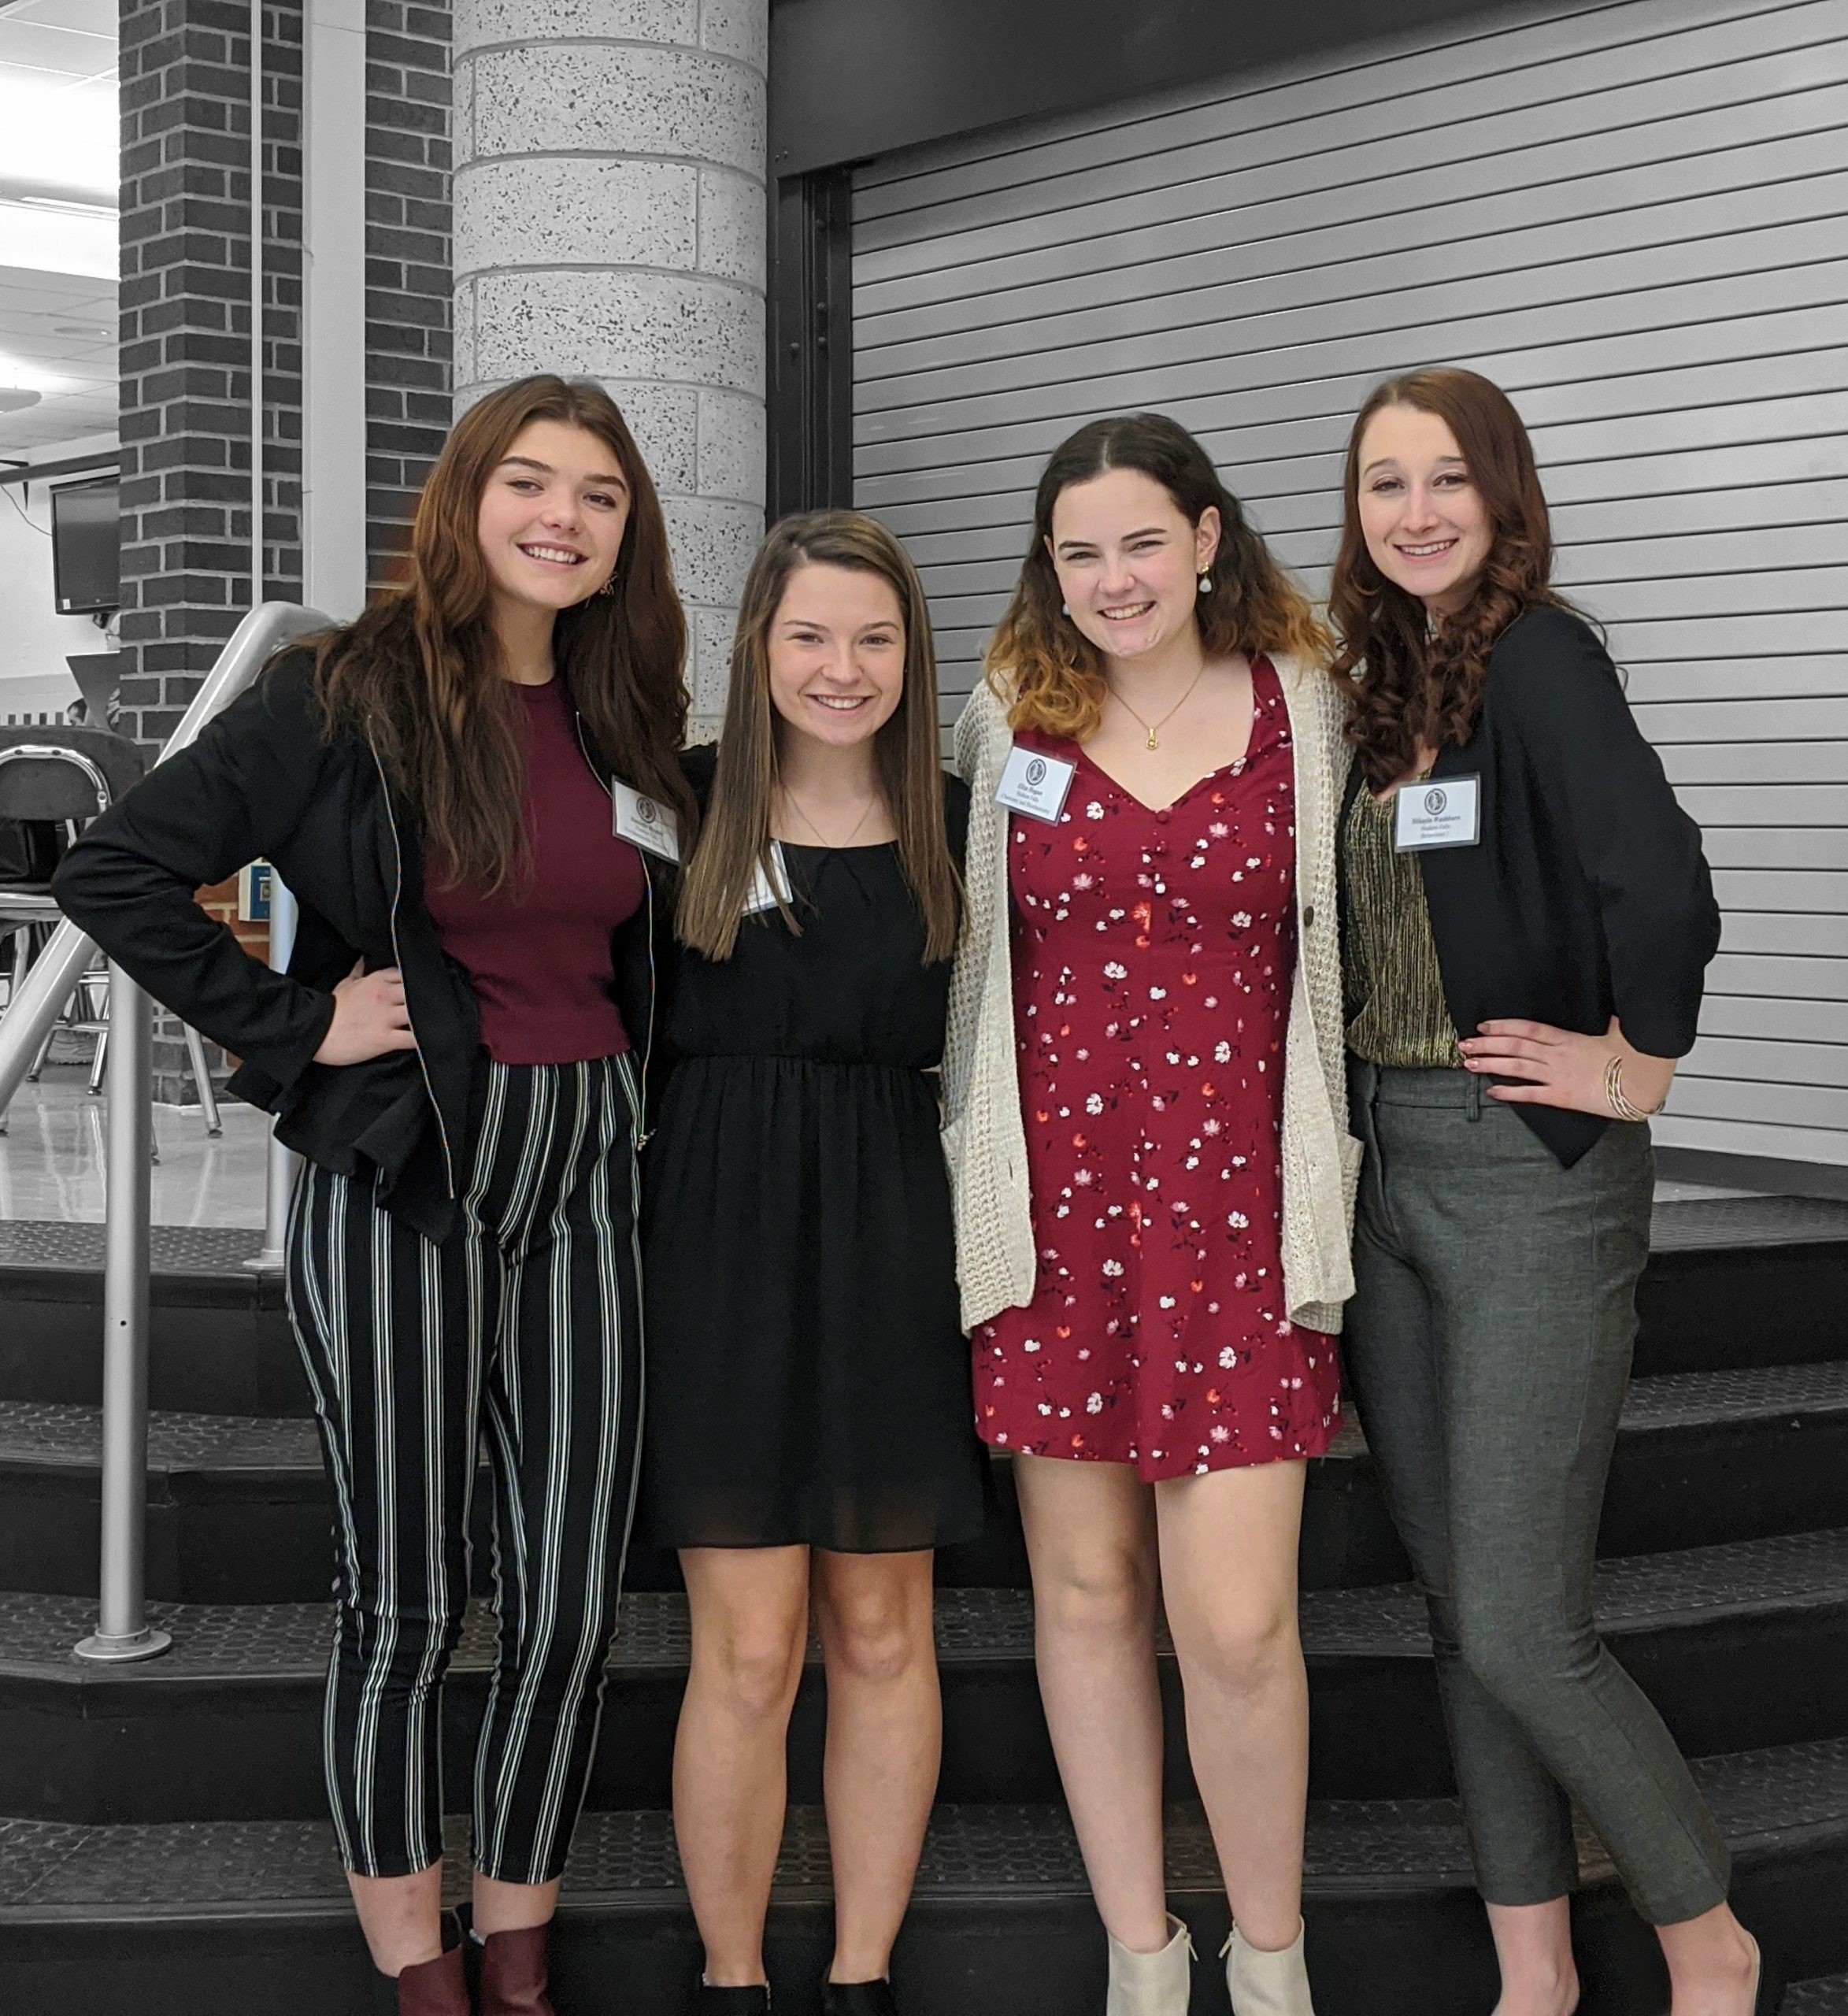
(1150, 727)
(796, 805)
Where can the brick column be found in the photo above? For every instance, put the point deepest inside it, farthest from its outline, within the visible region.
(185, 391)
(408, 281)
(186, 366)
(610, 224)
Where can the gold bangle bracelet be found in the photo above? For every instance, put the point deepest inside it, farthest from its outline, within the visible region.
(1617, 1099)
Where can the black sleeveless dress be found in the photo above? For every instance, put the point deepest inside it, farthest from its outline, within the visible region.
(808, 1380)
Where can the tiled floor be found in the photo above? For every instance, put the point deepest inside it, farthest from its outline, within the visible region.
(52, 1159)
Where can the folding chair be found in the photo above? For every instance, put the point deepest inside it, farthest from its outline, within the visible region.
(66, 776)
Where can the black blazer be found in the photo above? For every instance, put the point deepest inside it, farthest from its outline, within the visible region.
(264, 781)
(1588, 896)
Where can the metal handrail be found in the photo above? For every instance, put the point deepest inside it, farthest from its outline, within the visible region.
(59, 967)
(122, 1632)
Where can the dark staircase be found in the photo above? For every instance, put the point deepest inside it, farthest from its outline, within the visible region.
(163, 1848)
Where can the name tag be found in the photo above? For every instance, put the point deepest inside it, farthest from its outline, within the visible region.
(1035, 784)
(763, 894)
(645, 822)
(1442, 812)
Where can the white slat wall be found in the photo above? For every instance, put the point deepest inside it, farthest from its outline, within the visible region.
(1633, 217)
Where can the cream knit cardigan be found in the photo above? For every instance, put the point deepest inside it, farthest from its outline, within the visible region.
(984, 1140)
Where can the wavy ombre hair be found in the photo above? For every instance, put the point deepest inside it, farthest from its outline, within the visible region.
(1411, 684)
(735, 840)
(1049, 676)
(417, 674)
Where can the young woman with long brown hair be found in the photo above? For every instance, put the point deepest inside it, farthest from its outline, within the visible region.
(1152, 1175)
(809, 1420)
(1527, 920)
(457, 1050)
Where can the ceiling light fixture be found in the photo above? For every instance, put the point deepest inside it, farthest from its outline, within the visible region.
(16, 399)
(65, 206)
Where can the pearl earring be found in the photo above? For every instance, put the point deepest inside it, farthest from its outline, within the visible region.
(1205, 584)
(1064, 609)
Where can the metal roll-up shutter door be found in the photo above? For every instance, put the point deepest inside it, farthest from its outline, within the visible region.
(1635, 217)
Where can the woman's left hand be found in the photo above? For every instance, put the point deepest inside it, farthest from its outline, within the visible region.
(1560, 1067)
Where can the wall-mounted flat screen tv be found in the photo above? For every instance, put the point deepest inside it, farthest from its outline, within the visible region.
(86, 547)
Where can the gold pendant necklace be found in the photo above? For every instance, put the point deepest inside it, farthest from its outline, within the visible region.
(1150, 727)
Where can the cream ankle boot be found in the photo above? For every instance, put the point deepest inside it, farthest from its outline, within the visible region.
(1267, 1984)
(1152, 1984)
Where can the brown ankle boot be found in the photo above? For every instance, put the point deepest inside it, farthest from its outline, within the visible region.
(437, 1987)
(513, 1973)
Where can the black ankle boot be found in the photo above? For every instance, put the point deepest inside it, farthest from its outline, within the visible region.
(858, 1998)
(710, 2001)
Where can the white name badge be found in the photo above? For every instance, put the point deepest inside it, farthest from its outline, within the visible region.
(645, 822)
(1441, 812)
(1035, 784)
(763, 896)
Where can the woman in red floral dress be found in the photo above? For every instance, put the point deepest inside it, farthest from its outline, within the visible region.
(1154, 953)
(1146, 1121)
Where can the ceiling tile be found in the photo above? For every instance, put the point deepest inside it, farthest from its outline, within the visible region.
(63, 416)
(25, 46)
(25, 291)
(93, 16)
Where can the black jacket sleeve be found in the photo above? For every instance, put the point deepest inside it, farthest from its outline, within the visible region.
(235, 796)
(1638, 850)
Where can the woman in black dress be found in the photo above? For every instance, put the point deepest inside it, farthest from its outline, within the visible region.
(810, 1423)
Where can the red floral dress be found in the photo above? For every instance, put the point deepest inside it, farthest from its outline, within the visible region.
(1153, 955)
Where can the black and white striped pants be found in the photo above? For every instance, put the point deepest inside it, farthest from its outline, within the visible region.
(522, 1329)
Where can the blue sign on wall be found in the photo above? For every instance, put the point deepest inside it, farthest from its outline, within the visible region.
(253, 893)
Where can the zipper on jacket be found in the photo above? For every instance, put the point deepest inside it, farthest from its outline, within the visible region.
(642, 1128)
(397, 960)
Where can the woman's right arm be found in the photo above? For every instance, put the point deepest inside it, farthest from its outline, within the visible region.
(236, 795)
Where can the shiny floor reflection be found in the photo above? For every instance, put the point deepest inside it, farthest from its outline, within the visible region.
(52, 1158)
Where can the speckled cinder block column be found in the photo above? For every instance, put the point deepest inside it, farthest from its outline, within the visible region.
(610, 224)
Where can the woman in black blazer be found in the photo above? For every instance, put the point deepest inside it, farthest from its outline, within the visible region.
(1527, 920)
(458, 1050)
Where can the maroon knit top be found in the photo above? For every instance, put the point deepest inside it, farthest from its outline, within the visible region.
(539, 956)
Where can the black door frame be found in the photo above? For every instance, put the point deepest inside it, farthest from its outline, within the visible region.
(810, 337)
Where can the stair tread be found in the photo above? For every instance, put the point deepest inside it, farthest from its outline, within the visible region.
(207, 1252)
(197, 1253)
(68, 1434)
(207, 1869)
(287, 1642)
(1827, 1997)
(1706, 1222)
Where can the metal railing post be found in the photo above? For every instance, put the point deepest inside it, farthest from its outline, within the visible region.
(283, 1161)
(122, 1631)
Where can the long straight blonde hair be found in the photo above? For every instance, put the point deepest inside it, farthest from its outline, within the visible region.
(734, 835)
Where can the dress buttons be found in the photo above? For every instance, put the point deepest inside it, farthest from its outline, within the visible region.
(1309, 916)
(1162, 816)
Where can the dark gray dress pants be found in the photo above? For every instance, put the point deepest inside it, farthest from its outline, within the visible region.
(1488, 1347)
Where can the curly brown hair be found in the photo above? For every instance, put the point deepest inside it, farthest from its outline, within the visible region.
(417, 675)
(1050, 677)
(1411, 682)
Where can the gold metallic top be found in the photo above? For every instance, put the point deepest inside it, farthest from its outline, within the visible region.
(1396, 1012)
